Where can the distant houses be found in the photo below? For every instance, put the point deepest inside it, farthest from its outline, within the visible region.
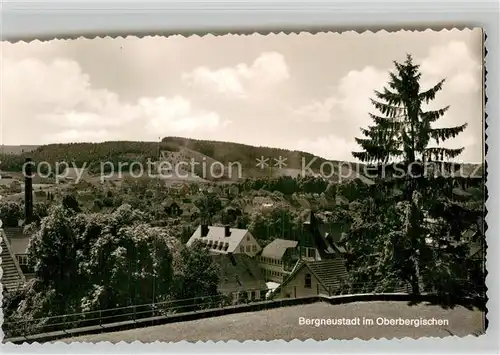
(172, 208)
(190, 211)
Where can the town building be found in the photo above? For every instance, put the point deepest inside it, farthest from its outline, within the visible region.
(240, 277)
(278, 259)
(310, 278)
(226, 240)
(281, 257)
(190, 211)
(172, 208)
(18, 243)
(12, 275)
(319, 241)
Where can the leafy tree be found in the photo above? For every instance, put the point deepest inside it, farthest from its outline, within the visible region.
(274, 222)
(209, 205)
(10, 213)
(70, 202)
(84, 262)
(195, 278)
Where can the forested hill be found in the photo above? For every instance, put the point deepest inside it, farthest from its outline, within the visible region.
(92, 154)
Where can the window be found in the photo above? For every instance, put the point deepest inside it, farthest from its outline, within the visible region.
(248, 248)
(307, 283)
(22, 259)
(254, 248)
(252, 295)
(242, 249)
(248, 238)
(311, 253)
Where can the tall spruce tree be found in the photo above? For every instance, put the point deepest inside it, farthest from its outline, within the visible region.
(404, 134)
(403, 131)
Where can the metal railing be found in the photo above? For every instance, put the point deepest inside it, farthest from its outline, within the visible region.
(105, 318)
(131, 313)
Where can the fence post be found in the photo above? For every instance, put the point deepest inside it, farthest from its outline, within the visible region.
(317, 289)
(294, 291)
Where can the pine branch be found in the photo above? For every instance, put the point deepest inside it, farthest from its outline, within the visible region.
(387, 122)
(430, 94)
(432, 116)
(391, 98)
(443, 134)
(388, 110)
(442, 153)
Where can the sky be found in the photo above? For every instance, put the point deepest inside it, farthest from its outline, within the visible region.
(300, 91)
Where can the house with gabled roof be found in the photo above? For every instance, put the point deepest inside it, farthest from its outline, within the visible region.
(319, 241)
(262, 201)
(226, 240)
(240, 277)
(278, 259)
(310, 278)
(171, 207)
(341, 200)
(301, 201)
(190, 211)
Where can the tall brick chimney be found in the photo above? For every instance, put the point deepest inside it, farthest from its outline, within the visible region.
(28, 192)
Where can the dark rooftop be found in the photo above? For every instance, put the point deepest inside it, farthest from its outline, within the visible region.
(329, 272)
(239, 272)
(283, 323)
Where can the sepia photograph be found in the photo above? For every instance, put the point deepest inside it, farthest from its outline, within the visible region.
(243, 187)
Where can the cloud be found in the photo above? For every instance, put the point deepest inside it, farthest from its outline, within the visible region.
(57, 98)
(269, 69)
(454, 62)
(346, 109)
(351, 97)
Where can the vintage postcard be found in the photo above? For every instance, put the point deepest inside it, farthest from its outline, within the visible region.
(257, 187)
